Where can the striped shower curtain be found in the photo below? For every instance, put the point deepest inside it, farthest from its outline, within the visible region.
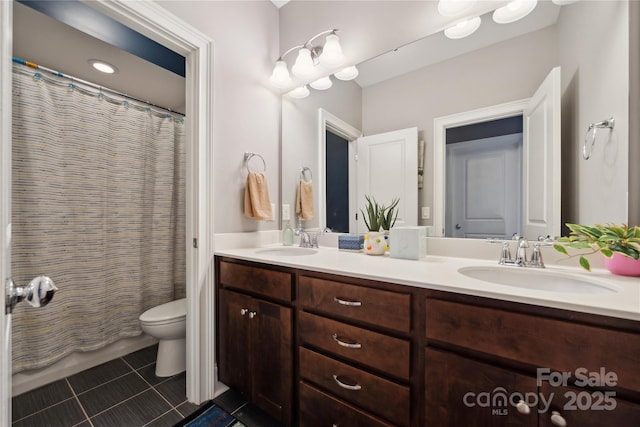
(98, 205)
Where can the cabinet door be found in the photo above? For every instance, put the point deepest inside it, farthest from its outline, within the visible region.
(272, 359)
(586, 408)
(464, 392)
(233, 335)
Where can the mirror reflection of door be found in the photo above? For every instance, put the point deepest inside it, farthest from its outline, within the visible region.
(484, 178)
(337, 182)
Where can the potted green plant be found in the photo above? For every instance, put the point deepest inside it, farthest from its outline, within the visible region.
(376, 217)
(620, 244)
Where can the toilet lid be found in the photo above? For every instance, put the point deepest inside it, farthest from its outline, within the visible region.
(167, 311)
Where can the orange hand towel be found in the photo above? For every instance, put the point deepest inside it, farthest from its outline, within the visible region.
(256, 197)
(304, 200)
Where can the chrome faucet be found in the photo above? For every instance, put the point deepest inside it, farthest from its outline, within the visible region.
(521, 253)
(307, 239)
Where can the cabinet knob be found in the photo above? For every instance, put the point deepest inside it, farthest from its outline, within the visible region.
(557, 419)
(252, 314)
(244, 311)
(523, 408)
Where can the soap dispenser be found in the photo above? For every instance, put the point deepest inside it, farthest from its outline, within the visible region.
(287, 235)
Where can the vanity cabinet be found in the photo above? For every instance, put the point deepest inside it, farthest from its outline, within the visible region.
(354, 353)
(318, 349)
(480, 353)
(255, 336)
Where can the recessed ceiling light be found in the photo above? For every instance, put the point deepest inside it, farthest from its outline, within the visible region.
(463, 29)
(103, 67)
(515, 10)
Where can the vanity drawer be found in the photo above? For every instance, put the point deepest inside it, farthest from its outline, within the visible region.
(539, 341)
(261, 281)
(379, 351)
(356, 302)
(318, 409)
(375, 394)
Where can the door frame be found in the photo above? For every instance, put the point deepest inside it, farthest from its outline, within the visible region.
(327, 121)
(160, 25)
(6, 48)
(440, 125)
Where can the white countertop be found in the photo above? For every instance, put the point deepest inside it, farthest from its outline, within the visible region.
(441, 273)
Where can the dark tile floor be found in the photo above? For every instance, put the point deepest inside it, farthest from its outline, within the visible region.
(123, 392)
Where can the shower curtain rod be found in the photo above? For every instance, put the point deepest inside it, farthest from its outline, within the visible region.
(92, 85)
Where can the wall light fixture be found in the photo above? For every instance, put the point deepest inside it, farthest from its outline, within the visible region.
(309, 56)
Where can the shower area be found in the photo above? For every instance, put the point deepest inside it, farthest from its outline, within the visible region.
(98, 205)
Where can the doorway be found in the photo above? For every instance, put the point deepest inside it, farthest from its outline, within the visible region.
(163, 27)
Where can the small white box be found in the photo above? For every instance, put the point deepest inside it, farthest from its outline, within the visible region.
(408, 242)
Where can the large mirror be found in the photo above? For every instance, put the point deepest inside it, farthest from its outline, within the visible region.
(437, 79)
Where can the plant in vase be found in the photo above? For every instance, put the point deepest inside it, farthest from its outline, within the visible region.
(378, 217)
(620, 244)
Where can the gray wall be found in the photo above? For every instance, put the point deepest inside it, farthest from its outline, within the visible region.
(246, 107)
(300, 132)
(595, 82)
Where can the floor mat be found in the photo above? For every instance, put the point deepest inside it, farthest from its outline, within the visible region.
(210, 415)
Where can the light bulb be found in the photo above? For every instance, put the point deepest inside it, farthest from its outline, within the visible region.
(463, 29)
(280, 77)
(513, 11)
(322, 83)
(331, 52)
(348, 73)
(304, 64)
(299, 92)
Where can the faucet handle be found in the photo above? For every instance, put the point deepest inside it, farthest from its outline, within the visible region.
(536, 257)
(505, 255)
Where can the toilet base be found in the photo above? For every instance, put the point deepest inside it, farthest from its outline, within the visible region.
(172, 357)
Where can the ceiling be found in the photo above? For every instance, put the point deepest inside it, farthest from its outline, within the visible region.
(52, 44)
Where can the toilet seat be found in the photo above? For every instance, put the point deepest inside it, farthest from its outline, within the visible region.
(171, 312)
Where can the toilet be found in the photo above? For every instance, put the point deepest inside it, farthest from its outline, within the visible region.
(167, 322)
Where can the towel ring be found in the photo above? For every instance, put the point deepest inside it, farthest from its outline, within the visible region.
(247, 158)
(587, 148)
(303, 171)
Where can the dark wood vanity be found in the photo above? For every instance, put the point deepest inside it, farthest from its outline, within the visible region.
(317, 349)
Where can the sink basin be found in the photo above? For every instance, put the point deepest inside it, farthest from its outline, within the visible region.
(541, 280)
(287, 251)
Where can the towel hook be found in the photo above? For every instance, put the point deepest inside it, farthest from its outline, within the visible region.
(587, 148)
(303, 171)
(247, 158)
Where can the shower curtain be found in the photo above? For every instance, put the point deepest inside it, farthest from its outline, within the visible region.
(98, 205)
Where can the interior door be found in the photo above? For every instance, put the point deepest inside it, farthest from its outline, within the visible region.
(541, 155)
(387, 168)
(483, 187)
(6, 30)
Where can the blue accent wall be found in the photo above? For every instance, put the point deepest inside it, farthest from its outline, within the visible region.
(83, 18)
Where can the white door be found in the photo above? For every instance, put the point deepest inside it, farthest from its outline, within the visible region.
(541, 155)
(483, 187)
(387, 168)
(6, 30)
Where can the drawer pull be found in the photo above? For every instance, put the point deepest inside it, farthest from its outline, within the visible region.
(353, 344)
(355, 386)
(347, 302)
